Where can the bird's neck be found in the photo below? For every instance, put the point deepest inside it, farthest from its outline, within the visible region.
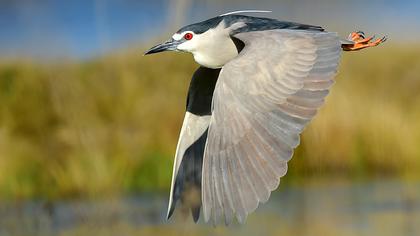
(216, 55)
(215, 48)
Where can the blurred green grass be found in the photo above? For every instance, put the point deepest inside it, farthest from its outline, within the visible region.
(110, 125)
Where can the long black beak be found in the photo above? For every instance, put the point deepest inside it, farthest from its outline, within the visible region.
(170, 45)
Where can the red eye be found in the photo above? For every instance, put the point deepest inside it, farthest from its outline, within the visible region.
(188, 36)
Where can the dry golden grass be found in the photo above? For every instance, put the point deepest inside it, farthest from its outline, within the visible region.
(110, 125)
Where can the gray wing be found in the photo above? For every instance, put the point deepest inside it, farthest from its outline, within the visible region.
(262, 101)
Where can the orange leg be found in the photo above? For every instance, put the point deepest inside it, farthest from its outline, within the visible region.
(360, 42)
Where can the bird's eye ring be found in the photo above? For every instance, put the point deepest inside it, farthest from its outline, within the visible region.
(188, 36)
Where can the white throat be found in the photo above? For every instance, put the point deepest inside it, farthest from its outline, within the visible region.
(216, 57)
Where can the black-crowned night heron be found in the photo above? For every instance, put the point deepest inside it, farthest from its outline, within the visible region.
(260, 83)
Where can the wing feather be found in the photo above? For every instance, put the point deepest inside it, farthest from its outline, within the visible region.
(263, 100)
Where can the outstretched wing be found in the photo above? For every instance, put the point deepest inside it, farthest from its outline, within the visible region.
(186, 176)
(262, 101)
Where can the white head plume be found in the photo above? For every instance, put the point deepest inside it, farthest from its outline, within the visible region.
(245, 11)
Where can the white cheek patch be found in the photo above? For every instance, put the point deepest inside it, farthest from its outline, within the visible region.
(177, 36)
(186, 46)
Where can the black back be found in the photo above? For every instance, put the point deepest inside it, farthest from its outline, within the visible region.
(200, 93)
(252, 24)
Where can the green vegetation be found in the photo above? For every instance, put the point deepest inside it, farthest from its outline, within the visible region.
(110, 125)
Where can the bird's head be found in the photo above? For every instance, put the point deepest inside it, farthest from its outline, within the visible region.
(190, 38)
(212, 42)
(210, 34)
(209, 41)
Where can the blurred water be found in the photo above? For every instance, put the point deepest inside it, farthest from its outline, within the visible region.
(328, 207)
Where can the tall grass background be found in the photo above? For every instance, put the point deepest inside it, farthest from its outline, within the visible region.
(109, 126)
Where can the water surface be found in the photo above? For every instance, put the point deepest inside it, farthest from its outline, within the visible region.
(327, 207)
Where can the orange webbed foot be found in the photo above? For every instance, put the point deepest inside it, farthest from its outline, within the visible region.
(361, 42)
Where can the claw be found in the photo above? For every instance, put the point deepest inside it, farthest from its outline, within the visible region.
(361, 42)
(366, 40)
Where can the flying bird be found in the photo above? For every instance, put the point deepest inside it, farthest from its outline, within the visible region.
(260, 82)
